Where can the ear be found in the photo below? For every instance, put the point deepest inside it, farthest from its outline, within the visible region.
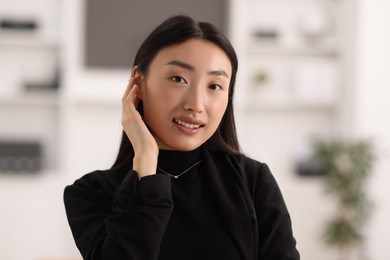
(139, 80)
(134, 71)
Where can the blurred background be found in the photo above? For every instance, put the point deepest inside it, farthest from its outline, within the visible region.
(308, 69)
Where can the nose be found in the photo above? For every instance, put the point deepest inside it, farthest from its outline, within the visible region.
(194, 100)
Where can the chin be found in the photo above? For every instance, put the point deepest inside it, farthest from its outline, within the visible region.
(185, 147)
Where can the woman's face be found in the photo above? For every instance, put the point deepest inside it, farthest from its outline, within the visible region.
(185, 94)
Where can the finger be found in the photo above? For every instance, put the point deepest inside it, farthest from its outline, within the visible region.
(128, 88)
(132, 82)
(131, 102)
(133, 95)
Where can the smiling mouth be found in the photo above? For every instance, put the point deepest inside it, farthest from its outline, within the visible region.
(186, 125)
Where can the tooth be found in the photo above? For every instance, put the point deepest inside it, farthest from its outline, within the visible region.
(188, 125)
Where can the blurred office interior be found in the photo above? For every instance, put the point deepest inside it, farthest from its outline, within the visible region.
(308, 69)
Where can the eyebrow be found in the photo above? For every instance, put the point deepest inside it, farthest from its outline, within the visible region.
(191, 68)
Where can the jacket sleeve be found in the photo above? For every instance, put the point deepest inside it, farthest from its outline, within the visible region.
(129, 223)
(276, 241)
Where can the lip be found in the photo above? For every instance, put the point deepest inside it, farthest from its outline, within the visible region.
(188, 120)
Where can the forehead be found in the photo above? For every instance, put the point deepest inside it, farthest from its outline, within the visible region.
(202, 55)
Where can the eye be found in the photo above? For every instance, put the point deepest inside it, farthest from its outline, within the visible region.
(178, 79)
(215, 87)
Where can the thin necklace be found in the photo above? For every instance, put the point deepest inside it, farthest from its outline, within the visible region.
(178, 175)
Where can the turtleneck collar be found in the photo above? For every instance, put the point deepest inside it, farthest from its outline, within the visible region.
(176, 162)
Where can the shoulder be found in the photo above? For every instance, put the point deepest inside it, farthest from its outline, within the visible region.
(249, 164)
(260, 182)
(250, 170)
(254, 172)
(249, 167)
(103, 183)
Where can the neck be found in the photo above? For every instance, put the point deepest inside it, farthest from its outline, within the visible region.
(178, 161)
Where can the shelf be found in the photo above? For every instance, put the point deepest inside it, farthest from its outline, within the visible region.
(289, 107)
(284, 51)
(49, 98)
(96, 99)
(100, 86)
(29, 40)
(47, 176)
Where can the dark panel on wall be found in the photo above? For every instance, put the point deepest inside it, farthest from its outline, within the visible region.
(116, 28)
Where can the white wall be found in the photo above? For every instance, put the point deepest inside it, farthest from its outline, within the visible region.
(371, 113)
(274, 138)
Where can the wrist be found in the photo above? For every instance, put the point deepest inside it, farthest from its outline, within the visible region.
(145, 165)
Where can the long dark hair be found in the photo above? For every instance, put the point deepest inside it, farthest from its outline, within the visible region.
(176, 30)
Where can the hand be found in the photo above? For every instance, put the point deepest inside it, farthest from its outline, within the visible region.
(144, 145)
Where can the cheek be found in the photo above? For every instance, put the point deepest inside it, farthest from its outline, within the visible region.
(218, 110)
(158, 103)
(157, 92)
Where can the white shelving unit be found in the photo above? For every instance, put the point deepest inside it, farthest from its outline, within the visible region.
(293, 60)
(293, 87)
(30, 66)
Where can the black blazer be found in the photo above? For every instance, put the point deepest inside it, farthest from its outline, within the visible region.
(108, 211)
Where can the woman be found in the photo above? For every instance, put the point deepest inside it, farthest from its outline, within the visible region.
(180, 188)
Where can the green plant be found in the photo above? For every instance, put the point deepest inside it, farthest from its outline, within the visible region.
(345, 167)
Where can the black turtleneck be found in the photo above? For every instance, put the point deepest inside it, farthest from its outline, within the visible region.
(226, 207)
(175, 162)
(194, 230)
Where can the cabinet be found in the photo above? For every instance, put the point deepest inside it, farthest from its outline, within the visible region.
(294, 84)
(291, 53)
(30, 91)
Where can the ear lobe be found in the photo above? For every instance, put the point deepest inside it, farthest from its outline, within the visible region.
(139, 93)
